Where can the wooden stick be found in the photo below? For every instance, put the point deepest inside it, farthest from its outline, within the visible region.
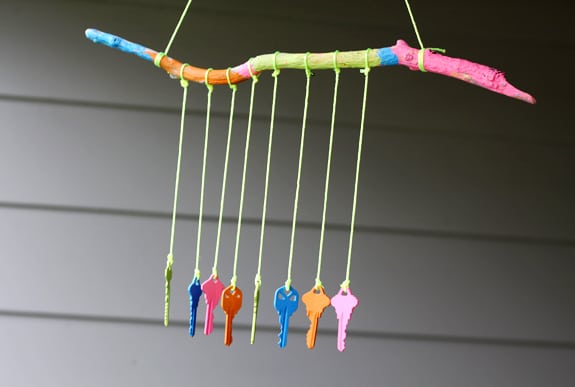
(399, 54)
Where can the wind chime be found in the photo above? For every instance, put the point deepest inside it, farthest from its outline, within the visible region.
(286, 298)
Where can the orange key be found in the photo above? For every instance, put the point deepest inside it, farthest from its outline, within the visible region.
(231, 304)
(315, 303)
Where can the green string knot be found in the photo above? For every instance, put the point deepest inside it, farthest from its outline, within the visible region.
(335, 66)
(308, 72)
(255, 78)
(230, 84)
(276, 69)
(288, 284)
(420, 56)
(318, 284)
(158, 58)
(345, 285)
(258, 281)
(206, 82)
(183, 81)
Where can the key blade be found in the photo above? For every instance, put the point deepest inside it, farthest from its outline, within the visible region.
(209, 321)
(312, 332)
(212, 289)
(193, 312)
(195, 291)
(228, 330)
(284, 330)
(341, 331)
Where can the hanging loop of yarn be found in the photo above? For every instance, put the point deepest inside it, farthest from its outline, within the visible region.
(345, 284)
(255, 77)
(183, 82)
(230, 84)
(335, 66)
(308, 72)
(276, 69)
(158, 58)
(206, 82)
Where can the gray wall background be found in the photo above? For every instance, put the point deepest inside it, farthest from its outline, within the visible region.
(465, 245)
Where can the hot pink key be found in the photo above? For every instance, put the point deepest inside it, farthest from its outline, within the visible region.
(212, 288)
(344, 303)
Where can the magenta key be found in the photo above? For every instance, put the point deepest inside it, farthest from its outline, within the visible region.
(212, 289)
(344, 303)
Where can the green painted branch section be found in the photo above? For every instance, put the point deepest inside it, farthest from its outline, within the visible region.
(320, 61)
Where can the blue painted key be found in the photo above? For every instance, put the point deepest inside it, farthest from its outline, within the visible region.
(286, 304)
(195, 290)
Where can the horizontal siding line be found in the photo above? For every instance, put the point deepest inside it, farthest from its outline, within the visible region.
(563, 141)
(403, 231)
(381, 335)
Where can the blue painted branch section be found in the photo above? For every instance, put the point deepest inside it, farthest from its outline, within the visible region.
(387, 57)
(118, 43)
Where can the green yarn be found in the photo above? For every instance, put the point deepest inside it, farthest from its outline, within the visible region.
(414, 24)
(275, 75)
(365, 71)
(204, 163)
(328, 171)
(300, 161)
(244, 173)
(224, 178)
(177, 28)
(170, 258)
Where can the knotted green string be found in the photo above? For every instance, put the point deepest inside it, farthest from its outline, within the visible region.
(318, 283)
(204, 163)
(275, 75)
(365, 72)
(299, 167)
(244, 173)
(234, 89)
(248, 134)
(170, 257)
(421, 53)
(178, 25)
(161, 55)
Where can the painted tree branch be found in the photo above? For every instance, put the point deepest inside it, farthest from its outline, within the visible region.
(399, 54)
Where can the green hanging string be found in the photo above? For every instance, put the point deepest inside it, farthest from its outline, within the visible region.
(414, 24)
(244, 173)
(299, 167)
(234, 89)
(170, 257)
(258, 278)
(275, 75)
(204, 163)
(365, 71)
(421, 53)
(318, 283)
(178, 25)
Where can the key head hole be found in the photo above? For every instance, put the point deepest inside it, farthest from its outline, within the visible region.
(318, 290)
(281, 296)
(293, 298)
